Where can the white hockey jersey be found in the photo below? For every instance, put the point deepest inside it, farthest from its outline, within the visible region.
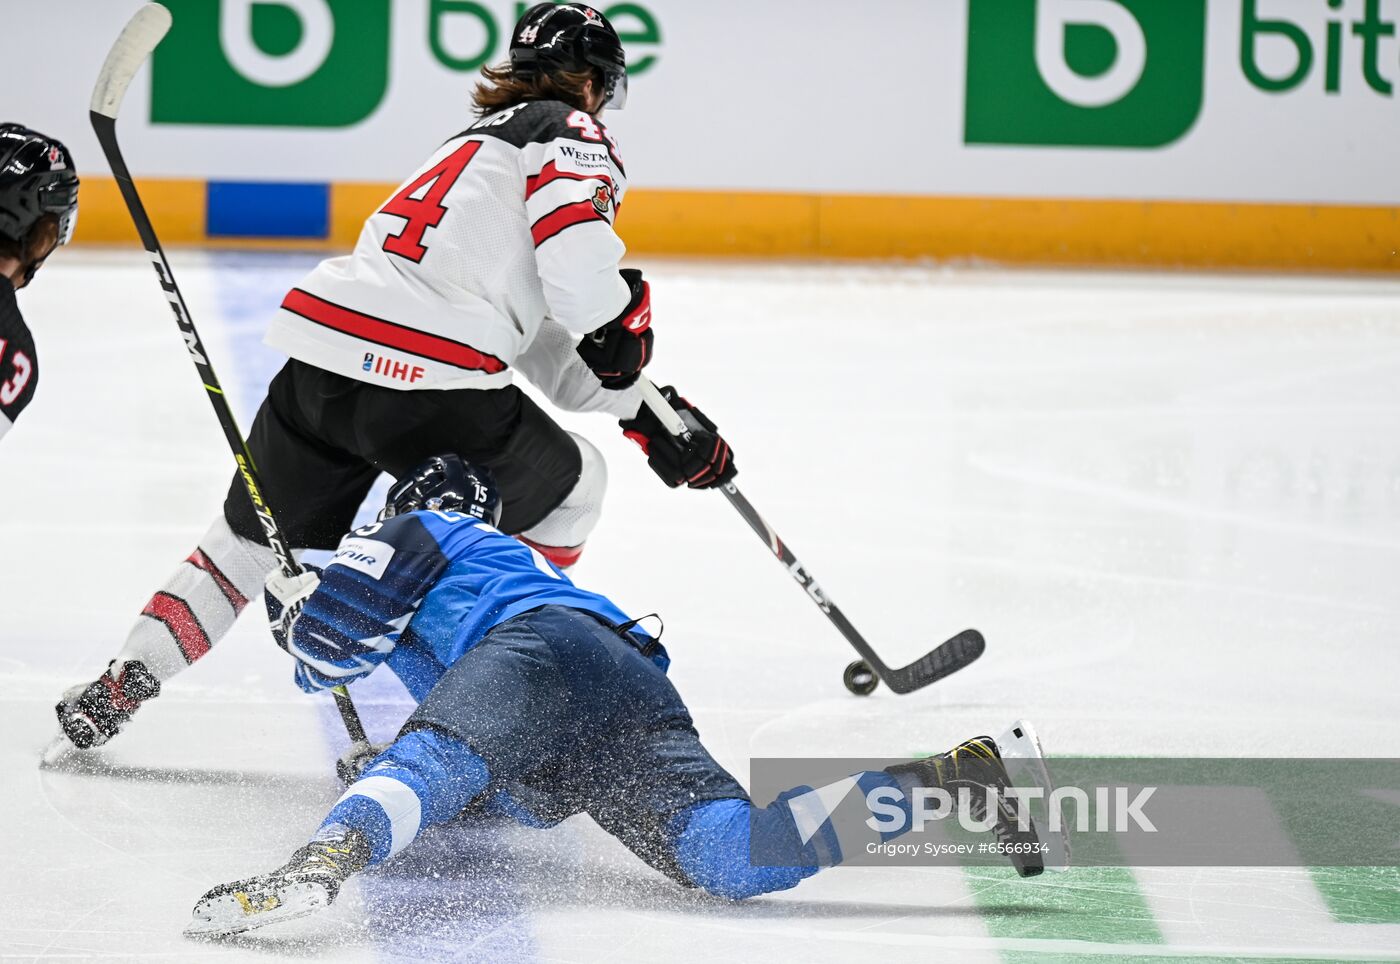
(495, 255)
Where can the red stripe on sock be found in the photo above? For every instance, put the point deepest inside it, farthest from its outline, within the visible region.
(235, 598)
(561, 556)
(177, 616)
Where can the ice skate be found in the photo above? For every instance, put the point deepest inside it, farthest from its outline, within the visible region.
(92, 713)
(967, 772)
(309, 882)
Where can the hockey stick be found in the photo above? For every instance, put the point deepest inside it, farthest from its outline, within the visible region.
(138, 40)
(945, 659)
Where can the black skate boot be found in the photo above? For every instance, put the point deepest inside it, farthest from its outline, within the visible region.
(309, 882)
(94, 713)
(967, 772)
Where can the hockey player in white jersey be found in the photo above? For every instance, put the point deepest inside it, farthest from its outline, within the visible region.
(496, 258)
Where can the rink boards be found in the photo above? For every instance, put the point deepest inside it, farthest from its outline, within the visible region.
(1200, 133)
(1321, 237)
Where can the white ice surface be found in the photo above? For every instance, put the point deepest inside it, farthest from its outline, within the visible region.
(1171, 503)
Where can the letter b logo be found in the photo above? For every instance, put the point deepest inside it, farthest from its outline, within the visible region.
(1088, 73)
(303, 63)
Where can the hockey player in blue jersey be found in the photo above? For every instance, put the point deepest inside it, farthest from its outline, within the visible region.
(537, 700)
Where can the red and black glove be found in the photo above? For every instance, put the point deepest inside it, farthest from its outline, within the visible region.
(619, 350)
(702, 462)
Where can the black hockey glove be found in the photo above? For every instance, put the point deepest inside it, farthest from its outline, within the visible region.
(619, 350)
(703, 462)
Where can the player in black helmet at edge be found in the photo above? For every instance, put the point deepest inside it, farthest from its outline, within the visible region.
(497, 258)
(38, 209)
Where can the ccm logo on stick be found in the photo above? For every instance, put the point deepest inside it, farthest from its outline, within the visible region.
(389, 368)
(809, 584)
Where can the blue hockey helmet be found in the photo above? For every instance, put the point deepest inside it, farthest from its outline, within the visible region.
(446, 483)
(573, 37)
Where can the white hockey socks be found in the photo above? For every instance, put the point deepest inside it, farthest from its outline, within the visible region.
(199, 602)
(560, 536)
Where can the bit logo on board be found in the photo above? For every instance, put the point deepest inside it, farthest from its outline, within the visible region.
(1131, 73)
(1101, 73)
(328, 63)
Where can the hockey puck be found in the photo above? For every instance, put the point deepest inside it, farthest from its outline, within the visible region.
(860, 679)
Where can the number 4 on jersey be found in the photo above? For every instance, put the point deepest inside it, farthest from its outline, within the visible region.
(420, 203)
(590, 131)
(585, 125)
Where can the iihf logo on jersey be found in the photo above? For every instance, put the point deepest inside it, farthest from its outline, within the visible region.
(404, 372)
(602, 199)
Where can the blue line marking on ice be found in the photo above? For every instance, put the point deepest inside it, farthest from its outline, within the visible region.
(249, 287)
(455, 895)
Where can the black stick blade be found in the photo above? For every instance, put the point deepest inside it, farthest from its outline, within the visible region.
(957, 653)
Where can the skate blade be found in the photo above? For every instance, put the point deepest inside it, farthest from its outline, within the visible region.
(227, 915)
(1024, 759)
(56, 751)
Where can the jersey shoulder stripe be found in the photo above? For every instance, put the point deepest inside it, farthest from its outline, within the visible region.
(564, 217)
(389, 334)
(551, 173)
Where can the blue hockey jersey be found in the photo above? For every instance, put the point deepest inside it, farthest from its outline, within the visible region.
(419, 590)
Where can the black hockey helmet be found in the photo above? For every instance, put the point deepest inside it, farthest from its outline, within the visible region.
(36, 178)
(574, 37)
(445, 483)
